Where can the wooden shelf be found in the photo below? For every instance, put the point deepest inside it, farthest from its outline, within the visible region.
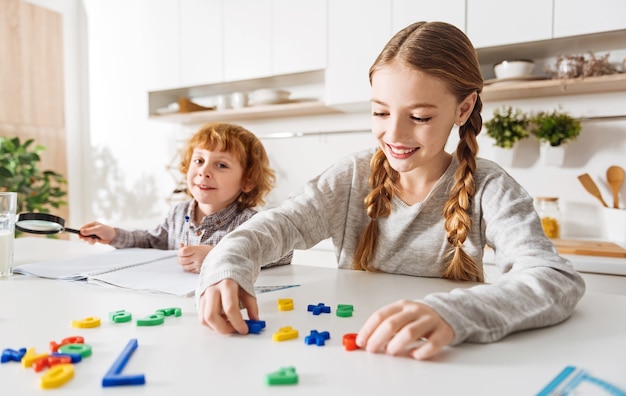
(292, 109)
(555, 87)
(491, 93)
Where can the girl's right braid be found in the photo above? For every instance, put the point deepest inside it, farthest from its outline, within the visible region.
(377, 204)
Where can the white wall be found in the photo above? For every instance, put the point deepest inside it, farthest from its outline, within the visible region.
(118, 158)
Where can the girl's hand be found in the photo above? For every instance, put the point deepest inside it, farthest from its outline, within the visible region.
(192, 257)
(104, 232)
(218, 308)
(405, 327)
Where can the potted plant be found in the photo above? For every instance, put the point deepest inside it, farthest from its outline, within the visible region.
(37, 190)
(553, 130)
(507, 127)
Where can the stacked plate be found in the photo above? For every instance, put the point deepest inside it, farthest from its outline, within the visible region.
(269, 96)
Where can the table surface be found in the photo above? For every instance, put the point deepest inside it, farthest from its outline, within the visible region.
(181, 355)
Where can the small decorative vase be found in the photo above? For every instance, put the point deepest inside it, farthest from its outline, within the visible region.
(551, 155)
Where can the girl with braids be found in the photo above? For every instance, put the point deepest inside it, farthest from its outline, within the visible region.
(409, 207)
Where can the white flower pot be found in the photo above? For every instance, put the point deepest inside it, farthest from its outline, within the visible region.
(504, 156)
(550, 155)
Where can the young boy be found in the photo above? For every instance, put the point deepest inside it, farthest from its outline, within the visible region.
(228, 175)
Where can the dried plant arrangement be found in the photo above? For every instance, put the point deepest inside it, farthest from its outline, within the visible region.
(572, 66)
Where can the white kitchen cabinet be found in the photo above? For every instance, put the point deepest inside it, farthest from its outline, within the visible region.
(576, 17)
(247, 40)
(353, 45)
(298, 36)
(159, 25)
(492, 23)
(405, 12)
(200, 42)
(273, 37)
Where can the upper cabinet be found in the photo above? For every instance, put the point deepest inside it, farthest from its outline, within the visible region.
(491, 23)
(159, 27)
(405, 12)
(181, 42)
(201, 48)
(298, 36)
(247, 39)
(353, 45)
(271, 37)
(200, 40)
(576, 17)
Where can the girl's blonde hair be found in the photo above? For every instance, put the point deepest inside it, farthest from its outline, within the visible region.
(445, 52)
(246, 147)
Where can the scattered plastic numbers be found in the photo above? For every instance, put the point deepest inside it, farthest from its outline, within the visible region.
(121, 316)
(284, 376)
(317, 338)
(57, 376)
(255, 326)
(113, 377)
(285, 304)
(344, 310)
(285, 333)
(152, 320)
(90, 322)
(318, 309)
(349, 342)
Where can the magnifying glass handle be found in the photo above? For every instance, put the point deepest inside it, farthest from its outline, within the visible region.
(75, 231)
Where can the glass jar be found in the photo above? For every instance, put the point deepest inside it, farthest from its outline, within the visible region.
(550, 214)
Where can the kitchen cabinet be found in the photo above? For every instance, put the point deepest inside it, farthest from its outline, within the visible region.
(273, 37)
(491, 23)
(353, 45)
(298, 36)
(200, 42)
(159, 44)
(576, 17)
(247, 41)
(405, 12)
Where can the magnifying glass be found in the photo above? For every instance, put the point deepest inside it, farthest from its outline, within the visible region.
(44, 223)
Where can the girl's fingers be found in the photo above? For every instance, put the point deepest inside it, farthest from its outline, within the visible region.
(230, 305)
(370, 337)
(406, 327)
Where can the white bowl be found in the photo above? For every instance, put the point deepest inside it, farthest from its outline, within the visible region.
(514, 68)
(269, 96)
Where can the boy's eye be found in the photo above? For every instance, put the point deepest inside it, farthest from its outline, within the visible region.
(197, 161)
(222, 165)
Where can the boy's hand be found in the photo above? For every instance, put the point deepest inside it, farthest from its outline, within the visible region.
(104, 232)
(192, 257)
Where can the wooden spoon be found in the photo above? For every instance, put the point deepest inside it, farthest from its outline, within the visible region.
(615, 178)
(591, 187)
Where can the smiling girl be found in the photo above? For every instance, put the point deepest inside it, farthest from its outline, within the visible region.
(409, 207)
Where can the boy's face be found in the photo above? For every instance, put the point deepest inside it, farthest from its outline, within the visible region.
(214, 179)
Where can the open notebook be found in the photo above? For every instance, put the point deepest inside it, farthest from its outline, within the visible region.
(150, 270)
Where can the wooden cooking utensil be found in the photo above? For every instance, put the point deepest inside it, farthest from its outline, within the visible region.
(615, 178)
(591, 187)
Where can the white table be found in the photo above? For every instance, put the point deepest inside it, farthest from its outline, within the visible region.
(181, 357)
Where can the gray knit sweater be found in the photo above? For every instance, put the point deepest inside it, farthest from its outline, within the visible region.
(539, 288)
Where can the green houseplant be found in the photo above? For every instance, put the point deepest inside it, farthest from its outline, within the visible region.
(555, 127)
(507, 127)
(553, 130)
(37, 190)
